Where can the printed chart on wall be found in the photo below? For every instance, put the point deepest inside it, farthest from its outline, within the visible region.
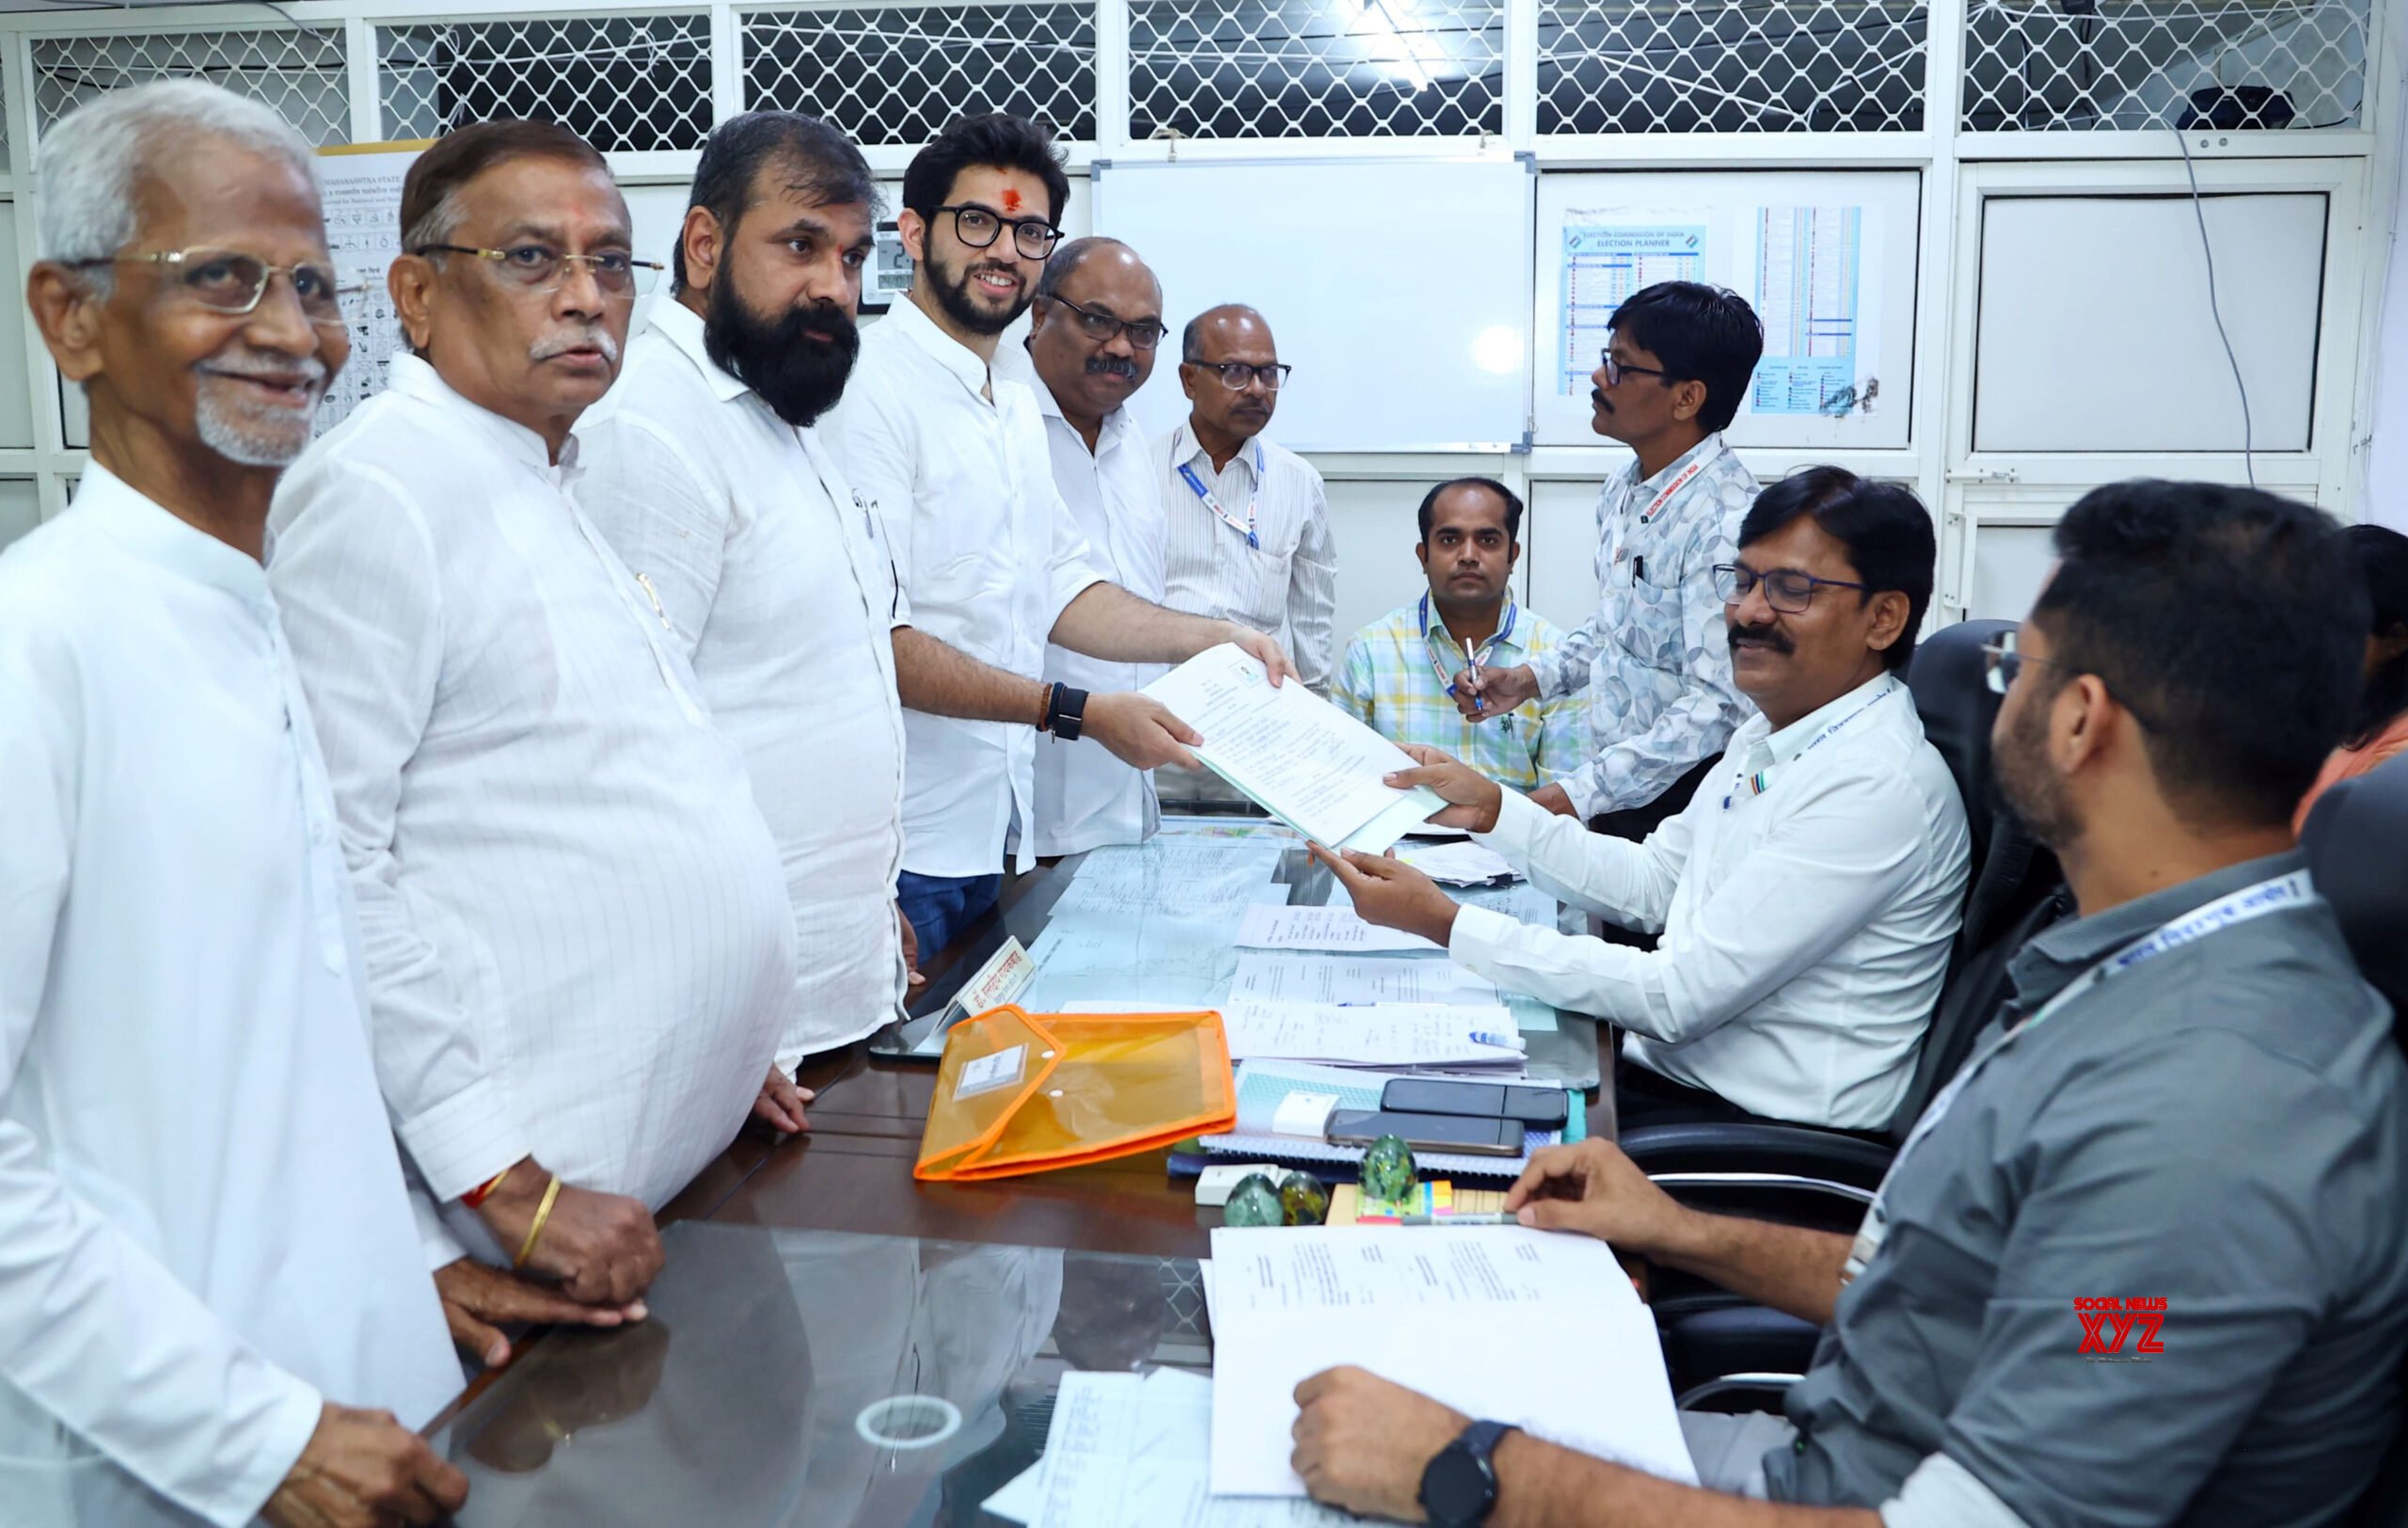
(1811, 252)
(363, 197)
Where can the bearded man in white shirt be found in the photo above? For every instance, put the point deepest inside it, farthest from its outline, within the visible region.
(1808, 892)
(580, 947)
(989, 561)
(1093, 333)
(705, 469)
(207, 1258)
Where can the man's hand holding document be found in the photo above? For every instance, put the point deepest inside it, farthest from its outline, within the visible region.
(1301, 758)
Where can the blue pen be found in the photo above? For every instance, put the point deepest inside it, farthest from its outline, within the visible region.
(1501, 1041)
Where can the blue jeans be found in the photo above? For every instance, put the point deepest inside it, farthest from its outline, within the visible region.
(941, 906)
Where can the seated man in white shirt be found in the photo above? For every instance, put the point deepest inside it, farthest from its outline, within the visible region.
(705, 471)
(1808, 894)
(1093, 334)
(991, 564)
(210, 1262)
(579, 949)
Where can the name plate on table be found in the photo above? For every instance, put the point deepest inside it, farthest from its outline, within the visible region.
(1003, 978)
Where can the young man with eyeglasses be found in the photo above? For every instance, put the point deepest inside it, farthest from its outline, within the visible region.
(1808, 892)
(988, 560)
(579, 951)
(1652, 660)
(1095, 330)
(1249, 519)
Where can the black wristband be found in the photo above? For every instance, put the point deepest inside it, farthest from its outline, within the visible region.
(1065, 714)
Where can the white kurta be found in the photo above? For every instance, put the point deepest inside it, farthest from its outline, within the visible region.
(203, 1230)
(987, 558)
(777, 579)
(1086, 798)
(578, 935)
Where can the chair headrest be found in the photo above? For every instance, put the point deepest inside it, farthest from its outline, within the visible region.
(2356, 841)
(1953, 696)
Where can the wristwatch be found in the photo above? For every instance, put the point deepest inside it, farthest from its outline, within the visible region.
(1065, 712)
(1459, 1486)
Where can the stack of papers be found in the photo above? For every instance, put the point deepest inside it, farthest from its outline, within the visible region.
(1375, 1034)
(1539, 1329)
(1338, 978)
(1124, 1450)
(1299, 757)
(1323, 927)
(1465, 864)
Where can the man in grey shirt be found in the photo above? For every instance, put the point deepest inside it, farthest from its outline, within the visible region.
(2146, 1261)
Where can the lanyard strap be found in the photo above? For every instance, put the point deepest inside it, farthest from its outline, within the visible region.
(1664, 495)
(1761, 781)
(1473, 657)
(1212, 501)
(2282, 892)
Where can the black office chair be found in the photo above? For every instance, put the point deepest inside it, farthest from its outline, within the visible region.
(2356, 840)
(1818, 1177)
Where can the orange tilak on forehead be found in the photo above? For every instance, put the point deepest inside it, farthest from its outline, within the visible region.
(1011, 200)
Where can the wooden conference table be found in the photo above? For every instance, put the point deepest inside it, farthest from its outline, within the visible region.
(852, 1170)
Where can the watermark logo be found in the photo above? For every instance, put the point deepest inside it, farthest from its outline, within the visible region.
(2121, 1330)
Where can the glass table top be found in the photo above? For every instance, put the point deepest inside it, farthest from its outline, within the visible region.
(812, 1379)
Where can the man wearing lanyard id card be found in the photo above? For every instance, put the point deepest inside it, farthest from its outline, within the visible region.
(1652, 661)
(1399, 674)
(2145, 1262)
(1248, 520)
(1807, 895)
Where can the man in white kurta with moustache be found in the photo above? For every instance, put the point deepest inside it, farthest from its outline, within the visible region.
(579, 945)
(1095, 326)
(206, 1254)
(705, 471)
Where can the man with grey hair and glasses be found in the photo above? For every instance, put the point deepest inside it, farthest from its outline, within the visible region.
(579, 948)
(207, 1257)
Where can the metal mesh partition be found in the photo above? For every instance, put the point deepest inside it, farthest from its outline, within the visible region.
(1732, 66)
(1273, 68)
(897, 74)
(2092, 65)
(300, 74)
(623, 83)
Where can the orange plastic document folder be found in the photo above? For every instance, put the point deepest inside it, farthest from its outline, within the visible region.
(1018, 1095)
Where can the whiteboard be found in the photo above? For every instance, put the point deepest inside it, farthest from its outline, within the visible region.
(1825, 258)
(1398, 289)
(2095, 334)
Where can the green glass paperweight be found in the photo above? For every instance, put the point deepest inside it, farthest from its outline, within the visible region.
(1389, 1172)
(1255, 1201)
(1303, 1201)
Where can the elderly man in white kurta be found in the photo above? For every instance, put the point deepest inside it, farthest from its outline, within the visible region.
(704, 472)
(205, 1246)
(578, 944)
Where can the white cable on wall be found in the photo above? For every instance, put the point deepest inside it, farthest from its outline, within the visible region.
(2215, 309)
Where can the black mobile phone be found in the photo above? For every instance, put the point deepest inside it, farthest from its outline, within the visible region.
(1536, 1108)
(1428, 1132)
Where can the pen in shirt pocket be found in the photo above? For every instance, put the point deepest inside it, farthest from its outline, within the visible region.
(1638, 569)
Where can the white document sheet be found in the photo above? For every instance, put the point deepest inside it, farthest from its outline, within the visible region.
(1124, 1450)
(1323, 927)
(1527, 1326)
(1283, 975)
(1303, 760)
(1376, 1034)
(1463, 864)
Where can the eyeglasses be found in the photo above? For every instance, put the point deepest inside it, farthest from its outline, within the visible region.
(1616, 371)
(539, 267)
(978, 228)
(1786, 589)
(2002, 662)
(228, 281)
(1235, 374)
(1144, 333)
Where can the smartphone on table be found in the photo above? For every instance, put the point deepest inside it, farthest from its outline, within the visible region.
(1534, 1108)
(1428, 1132)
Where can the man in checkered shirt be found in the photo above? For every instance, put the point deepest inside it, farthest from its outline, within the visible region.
(1654, 660)
(1395, 678)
